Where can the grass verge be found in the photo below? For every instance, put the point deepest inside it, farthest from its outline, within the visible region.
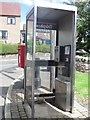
(82, 83)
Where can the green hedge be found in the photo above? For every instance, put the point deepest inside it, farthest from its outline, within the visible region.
(43, 48)
(8, 49)
(13, 48)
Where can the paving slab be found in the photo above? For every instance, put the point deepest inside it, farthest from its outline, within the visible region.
(43, 109)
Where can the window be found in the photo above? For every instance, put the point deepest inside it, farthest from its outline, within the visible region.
(3, 34)
(11, 20)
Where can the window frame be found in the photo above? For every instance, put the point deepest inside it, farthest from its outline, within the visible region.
(11, 18)
(1, 34)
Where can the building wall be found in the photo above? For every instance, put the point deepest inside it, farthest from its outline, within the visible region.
(13, 30)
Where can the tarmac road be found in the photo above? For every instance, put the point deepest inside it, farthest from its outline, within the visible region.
(8, 68)
(4, 84)
(7, 63)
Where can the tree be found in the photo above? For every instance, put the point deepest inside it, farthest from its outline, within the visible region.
(83, 26)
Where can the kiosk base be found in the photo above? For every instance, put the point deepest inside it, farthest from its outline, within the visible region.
(62, 94)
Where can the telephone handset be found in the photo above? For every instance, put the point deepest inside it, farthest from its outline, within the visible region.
(59, 54)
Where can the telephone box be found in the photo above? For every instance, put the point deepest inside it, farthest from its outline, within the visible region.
(21, 55)
(60, 21)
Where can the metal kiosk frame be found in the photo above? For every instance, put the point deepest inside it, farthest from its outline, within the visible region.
(62, 18)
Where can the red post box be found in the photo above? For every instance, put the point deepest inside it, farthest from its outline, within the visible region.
(21, 56)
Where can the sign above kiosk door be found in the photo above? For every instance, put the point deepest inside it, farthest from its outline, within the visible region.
(46, 25)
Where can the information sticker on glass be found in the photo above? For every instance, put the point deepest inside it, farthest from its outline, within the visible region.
(67, 50)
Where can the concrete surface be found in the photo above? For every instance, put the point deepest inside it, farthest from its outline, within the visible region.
(14, 107)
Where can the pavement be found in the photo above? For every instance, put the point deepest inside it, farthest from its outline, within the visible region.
(15, 108)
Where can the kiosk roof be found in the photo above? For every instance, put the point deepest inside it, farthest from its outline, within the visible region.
(45, 8)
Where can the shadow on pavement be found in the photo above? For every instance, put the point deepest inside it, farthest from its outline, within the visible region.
(1, 112)
(3, 92)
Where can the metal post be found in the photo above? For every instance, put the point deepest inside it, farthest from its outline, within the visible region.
(73, 61)
(52, 69)
(25, 62)
(33, 58)
(24, 84)
(50, 59)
